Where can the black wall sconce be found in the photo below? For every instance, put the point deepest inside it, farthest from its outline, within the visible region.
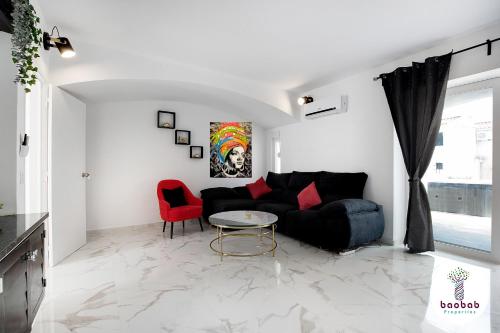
(62, 43)
(305, 100)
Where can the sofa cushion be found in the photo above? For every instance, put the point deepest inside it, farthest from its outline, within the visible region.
(280, 210)
(350, 206)
(274, 195)
(305, 225)
(308, 197)
(299, 180)
(341, 185)
(278, 180)
(242, 192)
(174, 197)
(277, 208)
(216, 193)
(258, 189)
(223, 205)
(285, 196)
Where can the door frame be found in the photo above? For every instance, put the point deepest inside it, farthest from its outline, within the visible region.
(492, 82)
(48, 240)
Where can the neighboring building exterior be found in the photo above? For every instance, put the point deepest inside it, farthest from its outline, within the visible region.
(459, 176)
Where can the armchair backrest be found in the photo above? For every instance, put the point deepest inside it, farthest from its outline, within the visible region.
(170, 184)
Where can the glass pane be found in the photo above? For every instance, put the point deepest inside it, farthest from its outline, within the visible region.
(459, 178)
(277, 156)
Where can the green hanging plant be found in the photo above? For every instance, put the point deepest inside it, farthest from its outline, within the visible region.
(26, 40)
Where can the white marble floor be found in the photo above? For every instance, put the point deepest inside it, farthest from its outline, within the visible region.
(136, 279)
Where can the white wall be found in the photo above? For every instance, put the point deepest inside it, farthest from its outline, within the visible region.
(127, 155)
(363, 138)
(8, 120)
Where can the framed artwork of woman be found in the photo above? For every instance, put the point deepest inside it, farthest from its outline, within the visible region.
(231, 149)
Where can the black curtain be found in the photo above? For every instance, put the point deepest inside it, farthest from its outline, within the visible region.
(416, 97)
(6, 9)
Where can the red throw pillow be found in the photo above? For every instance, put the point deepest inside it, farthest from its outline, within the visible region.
(259, 188)
(308, 197)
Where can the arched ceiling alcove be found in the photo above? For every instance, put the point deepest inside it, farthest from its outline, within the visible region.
(103, 91)
(101, 73)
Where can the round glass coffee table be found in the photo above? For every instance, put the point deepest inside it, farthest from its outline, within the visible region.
(243, 220)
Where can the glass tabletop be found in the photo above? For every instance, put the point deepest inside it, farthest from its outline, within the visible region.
(241, 219)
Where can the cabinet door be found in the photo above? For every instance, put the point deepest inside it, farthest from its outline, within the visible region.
(13, 300)
(35, 271)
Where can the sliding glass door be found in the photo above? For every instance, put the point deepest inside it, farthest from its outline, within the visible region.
(459, 179)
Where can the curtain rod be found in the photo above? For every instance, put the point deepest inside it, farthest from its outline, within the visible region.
(487, 43)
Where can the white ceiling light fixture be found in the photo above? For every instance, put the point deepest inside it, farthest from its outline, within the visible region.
(305, 100)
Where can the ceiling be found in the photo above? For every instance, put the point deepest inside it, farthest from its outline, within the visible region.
(284, 43)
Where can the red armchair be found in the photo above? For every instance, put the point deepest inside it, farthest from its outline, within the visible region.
(192, 210)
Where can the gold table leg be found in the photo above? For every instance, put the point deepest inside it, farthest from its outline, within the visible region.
(220, 242)
(258, 235)
(273, 226)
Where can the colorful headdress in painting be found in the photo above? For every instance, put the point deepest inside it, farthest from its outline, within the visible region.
(227, 137)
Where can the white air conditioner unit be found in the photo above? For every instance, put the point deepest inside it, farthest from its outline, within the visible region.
(325, 107)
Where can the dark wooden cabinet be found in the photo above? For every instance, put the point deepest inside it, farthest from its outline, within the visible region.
(22, 283)
(13, 300)
(36, 279)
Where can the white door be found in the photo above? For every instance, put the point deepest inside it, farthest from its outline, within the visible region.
(67, 228)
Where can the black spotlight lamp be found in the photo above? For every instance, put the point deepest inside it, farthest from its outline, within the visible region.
(305, 100)
(62, 43)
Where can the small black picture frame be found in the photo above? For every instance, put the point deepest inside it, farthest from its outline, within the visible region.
(196, 152)
(165, 119)
(182, 137)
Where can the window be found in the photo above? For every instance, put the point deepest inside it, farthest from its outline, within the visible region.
(277, 155)
(460, 195)
(439, 140)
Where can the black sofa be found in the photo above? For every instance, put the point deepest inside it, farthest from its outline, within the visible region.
(343, 220)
